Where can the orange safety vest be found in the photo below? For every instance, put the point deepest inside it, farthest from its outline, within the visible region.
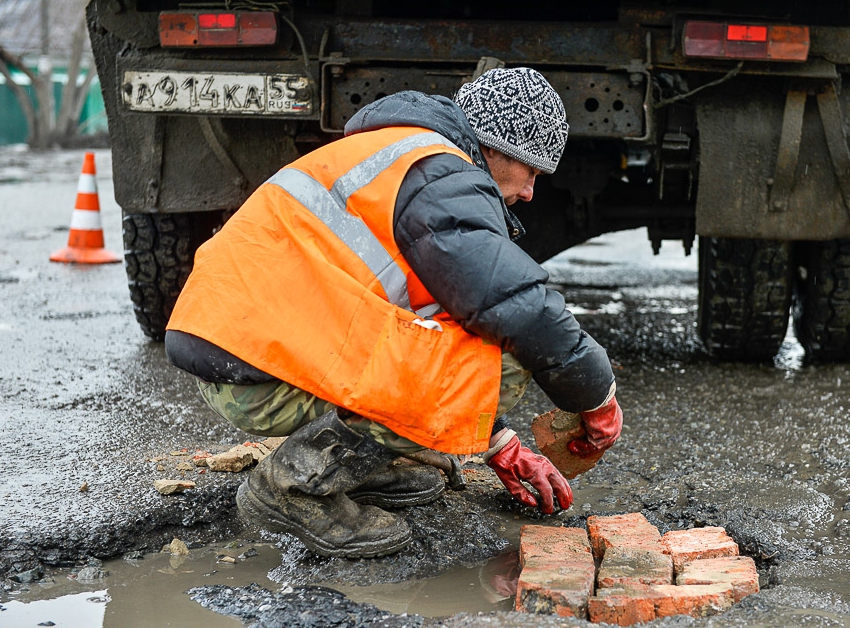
(306, 283)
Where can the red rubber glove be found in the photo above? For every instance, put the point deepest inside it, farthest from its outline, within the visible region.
(514, 464)
(603, 426)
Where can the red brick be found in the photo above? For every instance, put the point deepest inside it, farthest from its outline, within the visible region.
(633, 604)
(558, 571)
(697, 543)
(628, 565)
(696, 600)
(546, 543)
(552, 431)
(622, 606)
(631, 530)
(738, 571)
(561, 587)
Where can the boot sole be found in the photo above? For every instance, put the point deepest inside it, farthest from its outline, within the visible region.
(258, 512)
(388, 500)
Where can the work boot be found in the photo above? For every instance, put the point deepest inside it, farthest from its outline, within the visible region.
(399, 485)
(300, 489)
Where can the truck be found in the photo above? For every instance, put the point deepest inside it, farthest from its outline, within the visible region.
(710, 122)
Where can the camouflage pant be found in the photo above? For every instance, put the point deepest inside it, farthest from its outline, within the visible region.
(278, 409)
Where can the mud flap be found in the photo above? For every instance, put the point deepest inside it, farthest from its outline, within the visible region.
(833, 125)
(773, 165)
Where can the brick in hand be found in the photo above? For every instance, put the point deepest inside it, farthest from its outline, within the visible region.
(553, 431)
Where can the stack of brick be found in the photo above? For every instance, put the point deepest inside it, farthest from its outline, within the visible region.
(641, 576)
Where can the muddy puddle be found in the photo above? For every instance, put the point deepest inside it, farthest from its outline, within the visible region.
(150, 590)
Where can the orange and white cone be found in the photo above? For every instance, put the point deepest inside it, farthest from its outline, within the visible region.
(85, 239)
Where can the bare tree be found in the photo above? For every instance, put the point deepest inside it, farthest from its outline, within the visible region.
(46, 128)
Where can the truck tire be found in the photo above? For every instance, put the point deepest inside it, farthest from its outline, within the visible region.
(822, 301)
(159, 250)
(745, 291)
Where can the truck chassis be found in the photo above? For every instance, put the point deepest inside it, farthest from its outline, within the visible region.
(746, 156)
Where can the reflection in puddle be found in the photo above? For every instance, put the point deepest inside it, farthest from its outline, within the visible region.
(152, 591)
(78, 610)
(491, 587)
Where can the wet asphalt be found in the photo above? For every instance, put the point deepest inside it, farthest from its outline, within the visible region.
(90, 413)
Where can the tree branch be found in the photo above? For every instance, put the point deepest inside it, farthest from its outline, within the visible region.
(6, 60)
(14, 61)
(65, 120)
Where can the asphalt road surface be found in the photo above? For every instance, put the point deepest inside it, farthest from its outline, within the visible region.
(90, 413)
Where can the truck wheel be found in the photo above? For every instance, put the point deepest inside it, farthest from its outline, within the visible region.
(744, 297)
(822, 301)
(159, 250)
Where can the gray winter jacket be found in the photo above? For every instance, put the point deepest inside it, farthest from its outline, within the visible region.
(455, 231)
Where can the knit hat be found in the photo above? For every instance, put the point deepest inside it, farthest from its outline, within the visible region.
(517, 112)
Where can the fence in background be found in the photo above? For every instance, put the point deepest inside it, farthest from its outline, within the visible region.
(13, 124)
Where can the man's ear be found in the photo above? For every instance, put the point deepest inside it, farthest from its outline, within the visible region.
(488, 152)
(492, 156)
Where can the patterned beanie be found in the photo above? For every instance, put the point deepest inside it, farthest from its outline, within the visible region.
(517, 112)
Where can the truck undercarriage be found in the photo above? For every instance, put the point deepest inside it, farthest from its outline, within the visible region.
(700, 121)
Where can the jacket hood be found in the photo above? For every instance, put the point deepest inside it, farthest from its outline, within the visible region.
(410, 108)
(438, 113)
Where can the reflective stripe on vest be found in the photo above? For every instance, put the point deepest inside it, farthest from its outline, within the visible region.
(305, 282)
(329, 207)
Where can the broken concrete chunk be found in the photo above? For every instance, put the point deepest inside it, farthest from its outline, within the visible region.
(273, 442)
(199, 458)
(232, 461)
(255, 450)
(168, 487)
(176, 548)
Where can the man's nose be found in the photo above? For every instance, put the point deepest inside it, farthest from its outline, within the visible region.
(527, 191)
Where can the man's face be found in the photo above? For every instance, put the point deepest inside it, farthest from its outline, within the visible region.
(514, 178)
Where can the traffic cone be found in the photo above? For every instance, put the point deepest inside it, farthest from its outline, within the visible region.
(85, 239)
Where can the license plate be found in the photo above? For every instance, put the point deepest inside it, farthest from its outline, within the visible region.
(217, 93)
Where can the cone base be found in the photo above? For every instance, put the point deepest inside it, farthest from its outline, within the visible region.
(84, 256)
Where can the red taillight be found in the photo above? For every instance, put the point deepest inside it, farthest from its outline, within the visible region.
(720, 40)
(746, 32)
(217, 20)
(240, 28)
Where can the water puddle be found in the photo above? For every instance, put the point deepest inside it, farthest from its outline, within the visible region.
(151, 591)
(76, 610)
(490, 587)
(142, 593)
